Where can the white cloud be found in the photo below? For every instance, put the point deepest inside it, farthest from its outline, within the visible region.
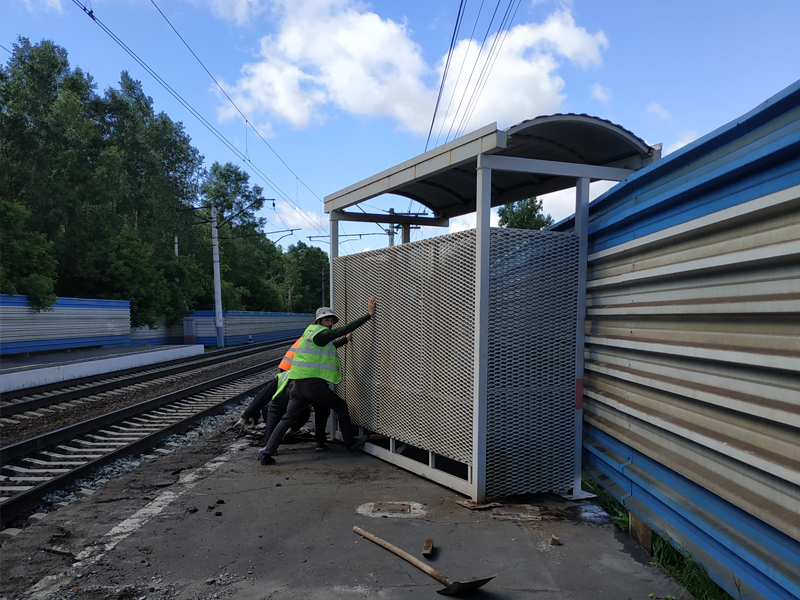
(600, 93)
(297, 218)
(656, 109)
(561, 204)
(37, 5)
(468, 222)
(339, 55)
(687, 137)
(240, 11)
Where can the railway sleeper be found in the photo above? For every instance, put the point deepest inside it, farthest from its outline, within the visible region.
(57, 463)
(24, 480)
(12, 470)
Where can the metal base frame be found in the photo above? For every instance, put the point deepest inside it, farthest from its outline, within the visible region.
(429, 471)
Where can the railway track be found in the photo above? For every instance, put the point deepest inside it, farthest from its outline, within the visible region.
(44, 464)
(30, 400)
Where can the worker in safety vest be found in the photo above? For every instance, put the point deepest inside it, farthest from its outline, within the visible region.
(263, 397)
(273, 409)
(314, 366)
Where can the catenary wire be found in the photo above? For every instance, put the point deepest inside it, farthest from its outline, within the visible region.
(460, 70)
(246, 120)
(494, 52)
(459, 18)
(194, 112)
(472, 72)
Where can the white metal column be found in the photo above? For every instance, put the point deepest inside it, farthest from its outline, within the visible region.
(219, 319)
(582, 229)
(334, 251)
(479, 401)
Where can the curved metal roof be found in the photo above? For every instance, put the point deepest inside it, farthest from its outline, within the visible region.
(444, 179)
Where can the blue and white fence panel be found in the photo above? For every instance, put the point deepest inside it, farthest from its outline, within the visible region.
(162, 335)
(692, 371)
(71, 323)
(242, 327)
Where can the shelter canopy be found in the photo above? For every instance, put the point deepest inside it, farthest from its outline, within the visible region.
(558, 148)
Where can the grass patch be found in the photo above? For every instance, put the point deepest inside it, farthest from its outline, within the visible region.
(686, 570)
(615, 509)
(681, 565)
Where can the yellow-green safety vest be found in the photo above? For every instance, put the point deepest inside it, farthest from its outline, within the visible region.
(312, 361)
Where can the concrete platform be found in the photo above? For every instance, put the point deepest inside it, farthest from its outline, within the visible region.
(41, 369)
(209, 522)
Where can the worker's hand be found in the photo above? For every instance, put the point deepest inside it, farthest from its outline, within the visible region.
(349, 337)
(371, 306)
(239, 427)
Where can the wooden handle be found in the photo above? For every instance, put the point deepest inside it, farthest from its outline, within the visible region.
(404, 555)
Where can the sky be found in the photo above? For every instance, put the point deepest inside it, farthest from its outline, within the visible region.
(316, 95)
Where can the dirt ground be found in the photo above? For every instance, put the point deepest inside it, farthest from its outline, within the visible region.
(208, 522)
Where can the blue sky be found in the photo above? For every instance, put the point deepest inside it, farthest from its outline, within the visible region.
(341, 89)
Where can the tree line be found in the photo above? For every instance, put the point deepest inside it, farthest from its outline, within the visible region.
(95, 187)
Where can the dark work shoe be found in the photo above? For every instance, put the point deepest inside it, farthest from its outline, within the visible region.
(357, 444)
(266, 459)
(321, 448)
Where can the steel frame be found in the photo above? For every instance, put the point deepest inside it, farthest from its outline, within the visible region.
(475, 485)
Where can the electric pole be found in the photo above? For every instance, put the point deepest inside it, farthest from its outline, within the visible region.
(218, 322)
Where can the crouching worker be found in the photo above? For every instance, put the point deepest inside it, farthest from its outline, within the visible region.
(259, 403)
(272, 405)
(315, 365)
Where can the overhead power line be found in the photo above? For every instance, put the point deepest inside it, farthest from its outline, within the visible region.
(195, 113)
(246, 120)
(459, 18)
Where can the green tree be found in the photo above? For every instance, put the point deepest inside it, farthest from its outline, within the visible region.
(94, 188)
(251, 266)
(524, 214)
(306, 268)
(26, 263)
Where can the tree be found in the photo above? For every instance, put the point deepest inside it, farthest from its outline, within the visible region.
(93, 190)
(26, 263)
(524, 214)
(306, 269)
(250, 264)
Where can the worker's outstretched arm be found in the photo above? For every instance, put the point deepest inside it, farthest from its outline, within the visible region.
(325, 337)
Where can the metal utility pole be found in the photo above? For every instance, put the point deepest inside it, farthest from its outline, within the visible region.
(218, 322)
(391, 229)
(323, 287)
(176, 244)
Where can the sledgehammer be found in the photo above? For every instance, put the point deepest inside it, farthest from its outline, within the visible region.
(452, 588)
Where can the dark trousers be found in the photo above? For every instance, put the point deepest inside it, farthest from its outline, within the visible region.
(304, 392)
(275, 411)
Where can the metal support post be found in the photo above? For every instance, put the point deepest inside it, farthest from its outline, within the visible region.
(479, 401)
(406, 233)
(334, 252)
(582, 229)
(391, 229)
(219, 323)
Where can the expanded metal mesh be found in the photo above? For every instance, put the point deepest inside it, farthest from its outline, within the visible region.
(531, 379)
(408, 373)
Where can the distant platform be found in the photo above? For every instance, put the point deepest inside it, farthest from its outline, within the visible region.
(41, 369)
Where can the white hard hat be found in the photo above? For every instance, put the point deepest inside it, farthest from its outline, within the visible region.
(326, 312)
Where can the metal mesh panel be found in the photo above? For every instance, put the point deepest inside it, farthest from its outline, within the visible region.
(531, 380)
(408, 372)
